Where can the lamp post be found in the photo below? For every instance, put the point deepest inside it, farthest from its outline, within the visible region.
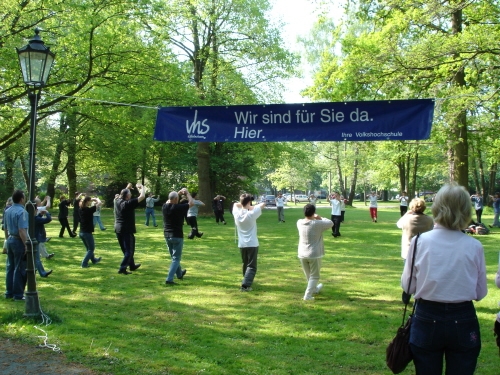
(36, 61)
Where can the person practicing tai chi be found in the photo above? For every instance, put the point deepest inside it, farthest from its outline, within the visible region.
(280, 207)
(311, 248)
(150, 209)
(192, 220)
(245, 218)
(125, 228)
(174, 213)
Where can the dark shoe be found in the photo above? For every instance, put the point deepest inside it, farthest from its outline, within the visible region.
(20, 299)
(156, 226)
(48, 239)
(47, 273)
(133, 268)
(170, 283)
(491, 226)
(61, 236)
(50, 256)
(333, 234)
(125, 272)
(183, 273)
(103, 229)
(225, 223)
(283, 221)
(97, 260)
(191, 237)
(73, 235)
(85, 266)
(199, 235)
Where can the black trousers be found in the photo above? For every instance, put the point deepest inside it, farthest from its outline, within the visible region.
(193, 223)
(337, 219)
(64, 225)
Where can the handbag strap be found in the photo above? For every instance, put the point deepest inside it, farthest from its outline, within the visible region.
(409, 284)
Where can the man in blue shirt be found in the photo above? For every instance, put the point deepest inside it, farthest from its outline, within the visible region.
(16, 223)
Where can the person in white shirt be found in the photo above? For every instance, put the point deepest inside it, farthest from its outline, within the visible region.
(311, 248)
(280, 206)
(192, 215)
(403, 203)
(313, 199)
(245, 218)
(336, 214)
(343, 201)
(448, 273)
(372, 197)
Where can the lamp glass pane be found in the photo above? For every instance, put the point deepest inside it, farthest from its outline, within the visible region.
(48, 65)
(37, 63)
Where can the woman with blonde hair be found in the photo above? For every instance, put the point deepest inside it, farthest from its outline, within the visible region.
(448, 274)
(412, 223)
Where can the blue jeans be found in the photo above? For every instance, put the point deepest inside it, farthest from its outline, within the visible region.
(88, 242)
(495, 220)
(174, 246)
(150, 212)
(97, 220)
(449, 330)
(16, 276)
(38, 262)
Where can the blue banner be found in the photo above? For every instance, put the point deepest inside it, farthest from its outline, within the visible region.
(349, 121)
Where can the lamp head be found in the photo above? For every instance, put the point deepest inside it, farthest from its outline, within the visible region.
(36, 61)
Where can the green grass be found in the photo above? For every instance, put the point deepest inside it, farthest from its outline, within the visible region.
(136, 325)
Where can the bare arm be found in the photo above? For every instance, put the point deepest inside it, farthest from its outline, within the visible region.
(185, 192)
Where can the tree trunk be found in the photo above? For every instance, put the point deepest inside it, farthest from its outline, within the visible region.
(354, 180)
(413, 186)
(461, 146)
(56, 160)
(492, 178)
(339, 169)
(408, 171)
(204, 192)
(25, 172)
(9, 171)
(402, 175)
(71, 151)
(482, 178)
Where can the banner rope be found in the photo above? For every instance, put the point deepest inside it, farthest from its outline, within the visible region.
(158, 106)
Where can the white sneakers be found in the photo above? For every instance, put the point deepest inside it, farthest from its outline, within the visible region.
(318, 289)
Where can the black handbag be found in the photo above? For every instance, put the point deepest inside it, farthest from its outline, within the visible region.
(398, 354)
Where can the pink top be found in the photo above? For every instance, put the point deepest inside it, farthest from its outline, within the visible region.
(449, 267)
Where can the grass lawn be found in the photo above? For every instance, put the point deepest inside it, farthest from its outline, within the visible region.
(134, 324)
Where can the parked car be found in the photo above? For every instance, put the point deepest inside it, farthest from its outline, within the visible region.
(297, 198)
(270, 200)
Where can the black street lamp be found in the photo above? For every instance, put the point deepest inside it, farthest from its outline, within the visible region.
(36, 61)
